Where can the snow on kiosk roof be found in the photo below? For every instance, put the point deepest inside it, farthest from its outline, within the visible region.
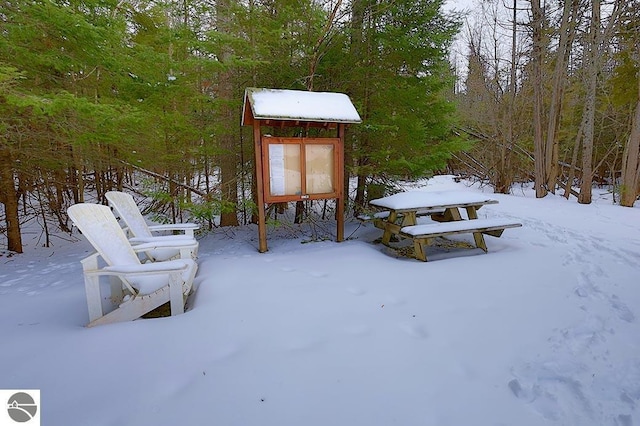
(295, 106)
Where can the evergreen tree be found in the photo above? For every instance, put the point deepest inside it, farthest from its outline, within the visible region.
(400, 79)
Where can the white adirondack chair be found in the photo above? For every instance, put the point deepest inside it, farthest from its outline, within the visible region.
(140, 232)
(136, 288)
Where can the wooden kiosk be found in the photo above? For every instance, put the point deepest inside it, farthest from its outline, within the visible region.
(298, 168)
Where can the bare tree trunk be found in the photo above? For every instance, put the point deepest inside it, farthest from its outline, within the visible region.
(505, 174)
(502, 182)
(348, 163)
(317, 49)
(9, 197)
(567, 29)
(574, 163)
(77, 172)
(538, 137)
(590, 105)
(361, 186)
(358, 52)
(299, 214)
(313, 65)
(631, 163)
(228, 160)
(630, 175)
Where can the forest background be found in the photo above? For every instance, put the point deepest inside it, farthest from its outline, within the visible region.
(146, 96)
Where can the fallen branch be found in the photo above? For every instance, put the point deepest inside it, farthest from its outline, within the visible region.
(166, 179)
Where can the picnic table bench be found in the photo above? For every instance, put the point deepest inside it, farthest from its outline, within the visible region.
(422, 234)
(401, 211)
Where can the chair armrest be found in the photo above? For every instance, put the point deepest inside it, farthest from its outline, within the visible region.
(187, 228)
(145, 268)
(177, 243)
(90, 263)
(179, 239)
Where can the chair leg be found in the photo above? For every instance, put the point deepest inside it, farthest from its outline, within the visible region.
(94, 298)
(175, 290)
(134, 308)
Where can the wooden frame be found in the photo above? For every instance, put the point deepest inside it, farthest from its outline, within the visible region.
(328, 175)
(279, 109)
(262, 179)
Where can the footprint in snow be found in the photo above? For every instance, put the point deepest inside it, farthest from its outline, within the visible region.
(303, 344)
(552, 390)
(624, 420)
(394, 301)
(623, 311)
(356, 291)
(588, 289)
(357, 329)
(225, 351)
(417, 331)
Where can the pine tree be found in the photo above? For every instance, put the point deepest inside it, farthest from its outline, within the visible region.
(400, 78)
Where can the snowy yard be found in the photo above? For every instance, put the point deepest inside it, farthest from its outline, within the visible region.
(542, 330)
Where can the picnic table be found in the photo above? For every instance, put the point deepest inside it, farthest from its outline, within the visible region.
(398, 215)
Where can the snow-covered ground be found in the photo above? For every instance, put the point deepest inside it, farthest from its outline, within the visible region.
(542, 330)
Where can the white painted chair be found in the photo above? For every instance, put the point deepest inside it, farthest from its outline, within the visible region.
(140, 232)
(136, 288)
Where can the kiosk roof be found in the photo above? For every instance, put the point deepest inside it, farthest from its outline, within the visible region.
(298, 105)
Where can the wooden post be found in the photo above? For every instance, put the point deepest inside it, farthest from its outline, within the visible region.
(340, 201)
(472, 214)
(262, 226)
(391, 220)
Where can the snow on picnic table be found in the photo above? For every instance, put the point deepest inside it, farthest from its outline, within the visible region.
(542, 330)
(420, 199)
